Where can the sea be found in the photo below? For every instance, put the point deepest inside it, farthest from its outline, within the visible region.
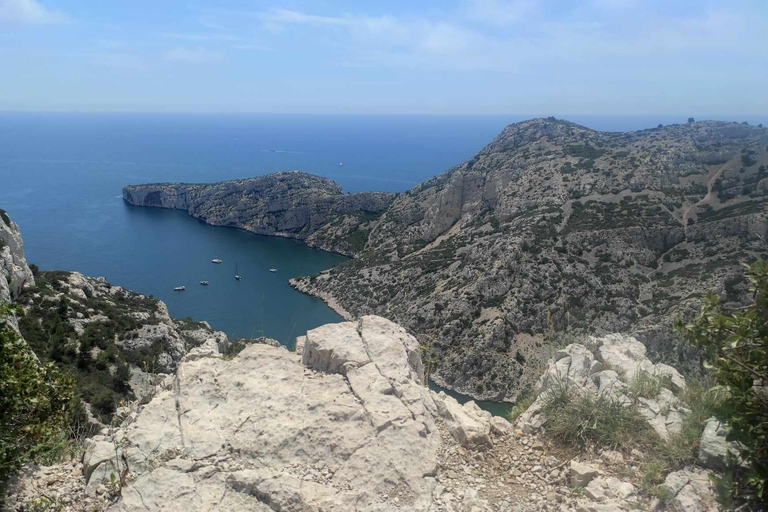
(61, 176)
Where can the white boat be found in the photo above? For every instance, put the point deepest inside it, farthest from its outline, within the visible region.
(180, 288)
(341, 163)
(204, 283)
(237, 276)
(273, 269)
(217, 260)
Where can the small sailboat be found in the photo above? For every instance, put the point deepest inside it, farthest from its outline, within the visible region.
(273, 269)
(180, 288)
(237, 276)
(204, 283)
(216, 260)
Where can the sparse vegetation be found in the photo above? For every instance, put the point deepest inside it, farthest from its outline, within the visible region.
(579, 420)
(38, 407)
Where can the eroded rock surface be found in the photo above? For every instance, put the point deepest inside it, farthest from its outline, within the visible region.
(14, 271)
(351, 428)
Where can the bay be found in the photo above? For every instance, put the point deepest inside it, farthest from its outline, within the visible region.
(61, 176)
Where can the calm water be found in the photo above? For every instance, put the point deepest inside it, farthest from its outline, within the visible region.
(61, 177)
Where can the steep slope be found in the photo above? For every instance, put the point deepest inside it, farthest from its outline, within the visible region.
(556, 227)
(14, 271)
(291, 204)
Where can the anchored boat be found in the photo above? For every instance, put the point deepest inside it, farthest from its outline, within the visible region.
(180, 288)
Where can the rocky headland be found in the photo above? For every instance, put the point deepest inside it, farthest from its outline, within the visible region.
(291, 204)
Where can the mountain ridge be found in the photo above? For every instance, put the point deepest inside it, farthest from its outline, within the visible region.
(553, 227)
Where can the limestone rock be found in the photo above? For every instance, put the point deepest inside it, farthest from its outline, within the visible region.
(14, 271)
(579, 474)
(714, 450)
(609, 373)
(500, 426)
(265, 432)
(692, 491)
(468, 424)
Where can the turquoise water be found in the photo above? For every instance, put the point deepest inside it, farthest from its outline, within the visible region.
(496, 408)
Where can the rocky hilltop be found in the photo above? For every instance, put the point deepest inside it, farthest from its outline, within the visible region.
(553, 228)
(292, 204)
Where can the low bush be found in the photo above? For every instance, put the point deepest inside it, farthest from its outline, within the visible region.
(37, 405)
(735, 344)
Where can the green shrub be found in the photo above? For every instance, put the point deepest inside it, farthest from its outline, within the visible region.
(735, 345)
(37, 404)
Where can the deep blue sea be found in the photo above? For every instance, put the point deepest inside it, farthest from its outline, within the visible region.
(61, 177)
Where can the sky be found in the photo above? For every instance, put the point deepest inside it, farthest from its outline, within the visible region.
(400, 57)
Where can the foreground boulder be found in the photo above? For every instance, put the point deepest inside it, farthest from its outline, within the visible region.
(338, 427)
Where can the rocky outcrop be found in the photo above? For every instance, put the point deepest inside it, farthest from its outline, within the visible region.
(553, 225)
(292, 204)
(346, 425)
(14, 271)
(614, 371)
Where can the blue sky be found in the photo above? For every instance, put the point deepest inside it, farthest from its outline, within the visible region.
(425, 56)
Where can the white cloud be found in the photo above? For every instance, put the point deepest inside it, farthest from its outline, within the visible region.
(516, 35)
(286, 17)
(198, 55)
(27, 12)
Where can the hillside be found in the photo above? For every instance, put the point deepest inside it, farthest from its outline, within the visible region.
(292, 204)
(554, 227)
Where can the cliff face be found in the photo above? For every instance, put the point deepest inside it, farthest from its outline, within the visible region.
(14, 272)
(291, 204)
(555, 227)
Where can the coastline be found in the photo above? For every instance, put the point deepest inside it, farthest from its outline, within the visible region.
(329, 300)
